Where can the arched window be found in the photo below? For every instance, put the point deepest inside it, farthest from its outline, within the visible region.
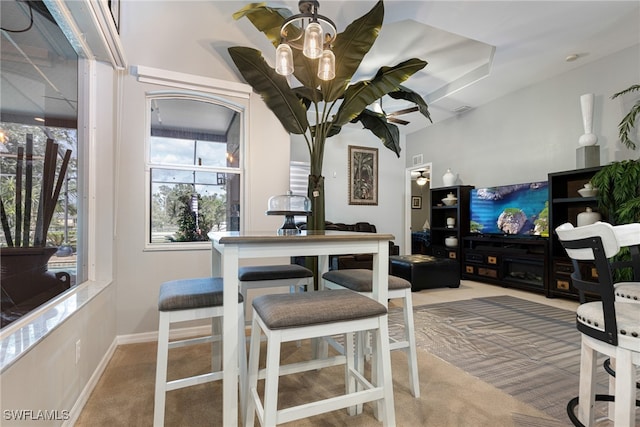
(194, 158)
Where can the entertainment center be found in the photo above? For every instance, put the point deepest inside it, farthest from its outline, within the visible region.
(505, 233)
(519, 262)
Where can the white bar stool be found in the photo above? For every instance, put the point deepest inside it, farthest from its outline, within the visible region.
(361, 281)
(185, 300)
(293, 276)
(610, 326)
(291, 317)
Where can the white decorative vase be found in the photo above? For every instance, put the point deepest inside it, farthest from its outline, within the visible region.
(451, 242)
(586, 104)
(449, 178)
(588, 217)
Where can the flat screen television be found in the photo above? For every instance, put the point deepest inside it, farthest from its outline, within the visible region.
(519, 209)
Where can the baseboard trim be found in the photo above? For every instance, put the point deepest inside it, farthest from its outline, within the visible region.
(143, 337)
(179, 333)
(76, 410)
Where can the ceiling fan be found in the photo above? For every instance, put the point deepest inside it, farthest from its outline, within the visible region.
(421, 177)
(393, 117)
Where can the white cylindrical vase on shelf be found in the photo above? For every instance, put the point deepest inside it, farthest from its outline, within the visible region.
(449, 178)
(586, 105)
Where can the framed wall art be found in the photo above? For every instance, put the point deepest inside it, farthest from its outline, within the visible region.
(416, 202)
(363, 175)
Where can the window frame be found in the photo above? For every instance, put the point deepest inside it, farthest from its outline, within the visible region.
(202, 89)
(149, 165)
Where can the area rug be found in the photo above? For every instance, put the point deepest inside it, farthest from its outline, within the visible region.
(528, 350)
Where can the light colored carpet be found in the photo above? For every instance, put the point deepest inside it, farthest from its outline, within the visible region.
(495, 361)
(450, 397)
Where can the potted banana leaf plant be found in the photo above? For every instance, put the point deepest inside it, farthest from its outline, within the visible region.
(333, 103)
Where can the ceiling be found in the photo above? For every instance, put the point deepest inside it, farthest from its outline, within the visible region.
(476, 51)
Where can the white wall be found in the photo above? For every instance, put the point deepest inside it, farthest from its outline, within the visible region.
(388, 215)
(47, 376)
(525, 135)
(153, 37)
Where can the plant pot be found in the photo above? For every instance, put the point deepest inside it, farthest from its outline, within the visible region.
(24, 273)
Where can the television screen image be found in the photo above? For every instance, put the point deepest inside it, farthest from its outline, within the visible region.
(520, 209)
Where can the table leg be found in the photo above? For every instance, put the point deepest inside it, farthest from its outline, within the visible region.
(230, 338)
(380, 285)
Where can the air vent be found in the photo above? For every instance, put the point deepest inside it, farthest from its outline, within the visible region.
(462, 109)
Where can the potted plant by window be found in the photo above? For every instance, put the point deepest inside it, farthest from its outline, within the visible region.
(24, 275)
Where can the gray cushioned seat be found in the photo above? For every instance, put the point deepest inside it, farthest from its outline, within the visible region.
(281, 311)
(360, 280)
(184, 294)
(273, 272)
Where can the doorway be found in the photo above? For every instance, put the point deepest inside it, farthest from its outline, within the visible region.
(417, 202)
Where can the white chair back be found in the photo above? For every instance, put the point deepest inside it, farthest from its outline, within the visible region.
(567, 232)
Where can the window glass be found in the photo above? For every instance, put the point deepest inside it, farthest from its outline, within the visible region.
(39, 162)
(194, 169)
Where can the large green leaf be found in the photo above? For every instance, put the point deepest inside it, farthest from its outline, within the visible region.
(306, 71)
(266, 19)
(377, 123)
(350, 47)
(307, 95)
(273, 88)
(409, 95)
(361, 94)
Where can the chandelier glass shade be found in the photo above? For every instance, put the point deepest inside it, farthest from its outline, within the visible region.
(312, 34)
(327, 65)
(284, 60)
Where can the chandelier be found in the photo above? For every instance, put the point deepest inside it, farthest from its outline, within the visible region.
(311, 33)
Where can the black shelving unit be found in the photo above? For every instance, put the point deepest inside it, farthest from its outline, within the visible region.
(439, 214)
(510, 261)
(565, 203)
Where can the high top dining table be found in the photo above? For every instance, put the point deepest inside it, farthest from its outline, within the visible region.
(230, 247)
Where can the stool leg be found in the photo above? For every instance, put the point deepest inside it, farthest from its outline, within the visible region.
(271, 378)
(252, 375)
(386, 411)
(625, 404)
(410, 337)
(586, 396)
(161, 369)
(242, 360)
(611, 406)
(351, 384)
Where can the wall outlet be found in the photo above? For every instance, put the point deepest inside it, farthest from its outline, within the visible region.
(77, 351)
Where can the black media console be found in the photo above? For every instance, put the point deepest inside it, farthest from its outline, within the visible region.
(511, 261)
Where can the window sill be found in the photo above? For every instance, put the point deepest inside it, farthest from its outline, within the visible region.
(25, 333)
